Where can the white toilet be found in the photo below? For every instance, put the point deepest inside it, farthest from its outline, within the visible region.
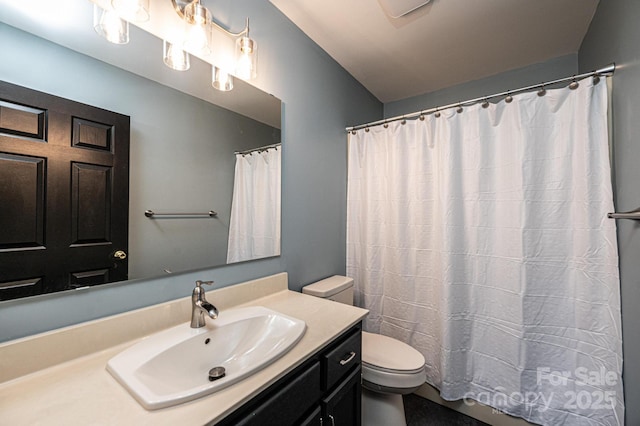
(390, 368)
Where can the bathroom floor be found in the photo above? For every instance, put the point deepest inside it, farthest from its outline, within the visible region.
(422, 412)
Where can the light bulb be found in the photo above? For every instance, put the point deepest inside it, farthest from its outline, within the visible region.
(246, 55)
(244, 68)
(197, 40)
(198, 29)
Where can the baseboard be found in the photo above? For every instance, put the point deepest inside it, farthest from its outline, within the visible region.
(478, 411)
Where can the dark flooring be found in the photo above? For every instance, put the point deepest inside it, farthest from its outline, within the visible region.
(420, 412)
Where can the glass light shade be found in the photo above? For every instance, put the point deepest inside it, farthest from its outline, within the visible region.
(246, 58)
(133, 10)
(109, 25)
(221, 79)
(197, 20)
(174, 57)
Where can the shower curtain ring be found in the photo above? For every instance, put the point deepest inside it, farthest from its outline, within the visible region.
(509, 98)
(437, 113)
(459, 109)
(596, 79)
(421, 117)
(385, 125)
(574, 84)
(542, 90)
(485, 103)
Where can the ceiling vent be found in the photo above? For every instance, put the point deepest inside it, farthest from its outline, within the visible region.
(398, 8)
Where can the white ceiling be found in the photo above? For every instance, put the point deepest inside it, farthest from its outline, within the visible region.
(444, 43)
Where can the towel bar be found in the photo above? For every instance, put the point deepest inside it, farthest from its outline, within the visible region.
(151, 214)
(634, 215)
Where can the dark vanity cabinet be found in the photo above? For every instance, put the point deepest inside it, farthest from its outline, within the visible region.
(324, 391)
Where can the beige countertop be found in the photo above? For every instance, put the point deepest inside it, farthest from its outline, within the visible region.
(77, 389)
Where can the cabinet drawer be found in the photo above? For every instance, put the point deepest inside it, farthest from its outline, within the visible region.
(339, 361)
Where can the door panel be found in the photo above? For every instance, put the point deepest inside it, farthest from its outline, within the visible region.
(64, 193)
(22, 194)
(88, 134)
(91, 196)
(22, 121)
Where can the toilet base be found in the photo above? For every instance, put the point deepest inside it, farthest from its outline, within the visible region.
(379, 409)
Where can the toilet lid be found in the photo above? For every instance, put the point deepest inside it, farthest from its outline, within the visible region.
(387, 353)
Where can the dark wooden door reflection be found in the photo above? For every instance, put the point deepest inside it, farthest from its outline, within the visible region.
(64, 193)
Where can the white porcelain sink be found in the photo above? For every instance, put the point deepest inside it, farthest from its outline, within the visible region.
(172, 366)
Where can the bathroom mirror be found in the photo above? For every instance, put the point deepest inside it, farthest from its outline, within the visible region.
(184, 134)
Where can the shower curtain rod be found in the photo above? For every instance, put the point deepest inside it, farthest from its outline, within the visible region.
(262, 148)
(608, 70)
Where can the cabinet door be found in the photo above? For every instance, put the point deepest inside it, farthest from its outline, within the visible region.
(286, 405)
(342, 407)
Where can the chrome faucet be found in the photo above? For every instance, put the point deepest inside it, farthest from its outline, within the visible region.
(200, 306)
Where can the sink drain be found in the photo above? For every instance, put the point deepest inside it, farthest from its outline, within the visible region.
(216, 373)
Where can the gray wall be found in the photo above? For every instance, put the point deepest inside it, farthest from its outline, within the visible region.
(614, 36)
(320, 99)
(552, 69)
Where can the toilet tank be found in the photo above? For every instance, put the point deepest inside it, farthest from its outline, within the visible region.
(336, 288)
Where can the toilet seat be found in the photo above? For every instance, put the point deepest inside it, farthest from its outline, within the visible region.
(389, 365)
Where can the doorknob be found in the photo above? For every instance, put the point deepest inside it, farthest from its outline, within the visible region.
(120, 255)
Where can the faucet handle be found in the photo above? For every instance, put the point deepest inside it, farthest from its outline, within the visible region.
(199, 283)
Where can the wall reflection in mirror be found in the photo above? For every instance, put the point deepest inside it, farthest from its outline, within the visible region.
(184, 153)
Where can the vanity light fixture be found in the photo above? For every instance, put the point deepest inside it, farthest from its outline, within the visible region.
(175, 57)
(196, 37)
(109, 25)
(221, 80)
(199, 25)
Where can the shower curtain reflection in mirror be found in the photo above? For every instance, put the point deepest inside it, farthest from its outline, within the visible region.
(254, 228)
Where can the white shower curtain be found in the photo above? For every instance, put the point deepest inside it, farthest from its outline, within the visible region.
(254, 228)
(481, 238)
